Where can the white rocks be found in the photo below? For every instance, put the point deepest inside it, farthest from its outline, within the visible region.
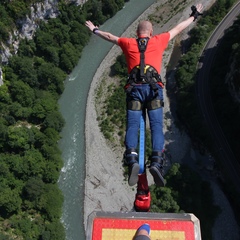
(39, 11)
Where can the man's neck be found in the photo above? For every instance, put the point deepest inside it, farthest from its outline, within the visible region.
(143, 36)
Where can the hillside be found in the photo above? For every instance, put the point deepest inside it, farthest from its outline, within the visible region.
(40, 44)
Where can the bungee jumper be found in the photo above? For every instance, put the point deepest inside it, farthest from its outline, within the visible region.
(144, 89)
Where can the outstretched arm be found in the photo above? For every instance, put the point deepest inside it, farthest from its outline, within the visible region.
(105, 35)
(181, 26)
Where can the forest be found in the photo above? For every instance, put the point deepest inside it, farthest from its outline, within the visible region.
(30, 121)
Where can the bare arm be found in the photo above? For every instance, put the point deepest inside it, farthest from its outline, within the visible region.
(104, 35)
(181, 26)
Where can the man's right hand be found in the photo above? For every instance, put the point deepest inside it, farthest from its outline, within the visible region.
(196, 11)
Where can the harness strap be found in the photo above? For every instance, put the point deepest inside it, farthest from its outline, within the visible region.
(130, 151)
(157, 157)
(155, 104)
(142, 45)
(143, 73)
(130, 156)
(134, 105)
(151, 77)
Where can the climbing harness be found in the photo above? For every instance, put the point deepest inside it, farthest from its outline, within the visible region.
(144, 74)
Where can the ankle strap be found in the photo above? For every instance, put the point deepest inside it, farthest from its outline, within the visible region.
(130, 150)
(157, 157)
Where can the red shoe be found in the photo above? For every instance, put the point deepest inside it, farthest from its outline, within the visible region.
(142, 201)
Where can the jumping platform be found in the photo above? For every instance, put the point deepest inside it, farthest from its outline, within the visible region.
(122, 225)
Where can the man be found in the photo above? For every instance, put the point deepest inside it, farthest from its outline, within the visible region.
(145, 89)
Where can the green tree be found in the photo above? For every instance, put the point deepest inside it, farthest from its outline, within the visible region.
(3, 135)
(33, 164)
(60, 31)
(109, 7)
(78, 34)
(51, 55)
(10, 201)
(18, 138)
(18, 9)
(51, 173)
(51, 202)
(4, 170)
(22, 93)
(52, 136)
(29, 226)
(51, 78)
(163, 201)
(54, 120)
(4, 94)
(94, 11)
(18, 112)
(23, 67)
(26, 48)
(54, 231)
(68, 57)
(43, 39)
(45, 104)
(34, 188)
(4, 34)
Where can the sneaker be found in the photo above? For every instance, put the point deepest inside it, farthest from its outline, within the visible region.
(145, 227)
(133, 170)
(157, 172)
(131, 160)
(142, 201)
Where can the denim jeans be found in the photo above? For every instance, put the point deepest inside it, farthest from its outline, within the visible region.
(144, 94)
(141, 237)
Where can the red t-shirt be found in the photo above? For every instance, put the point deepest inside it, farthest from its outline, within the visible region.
(153, 54)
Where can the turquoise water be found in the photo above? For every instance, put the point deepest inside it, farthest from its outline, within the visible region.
(73, 106)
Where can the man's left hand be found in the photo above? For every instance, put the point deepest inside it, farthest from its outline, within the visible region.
(90, 25)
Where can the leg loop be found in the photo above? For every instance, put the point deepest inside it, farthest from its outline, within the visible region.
(134, 105)
(155, 104)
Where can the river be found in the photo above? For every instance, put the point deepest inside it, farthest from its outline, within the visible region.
(73, 106)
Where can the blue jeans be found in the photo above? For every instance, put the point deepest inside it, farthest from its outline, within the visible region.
(141, 237)
(144, 94)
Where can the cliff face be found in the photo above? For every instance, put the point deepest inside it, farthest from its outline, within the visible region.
(39, 11)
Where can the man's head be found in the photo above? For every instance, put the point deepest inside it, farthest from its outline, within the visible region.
(145, 29)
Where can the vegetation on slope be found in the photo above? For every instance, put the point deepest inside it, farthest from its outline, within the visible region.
(30, 121)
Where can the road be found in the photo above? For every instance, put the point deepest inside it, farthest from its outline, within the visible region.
(227, 157)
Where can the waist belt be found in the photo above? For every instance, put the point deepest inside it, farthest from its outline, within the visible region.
(150, 77)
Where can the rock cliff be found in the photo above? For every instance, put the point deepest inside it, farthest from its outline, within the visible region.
(39, 11)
